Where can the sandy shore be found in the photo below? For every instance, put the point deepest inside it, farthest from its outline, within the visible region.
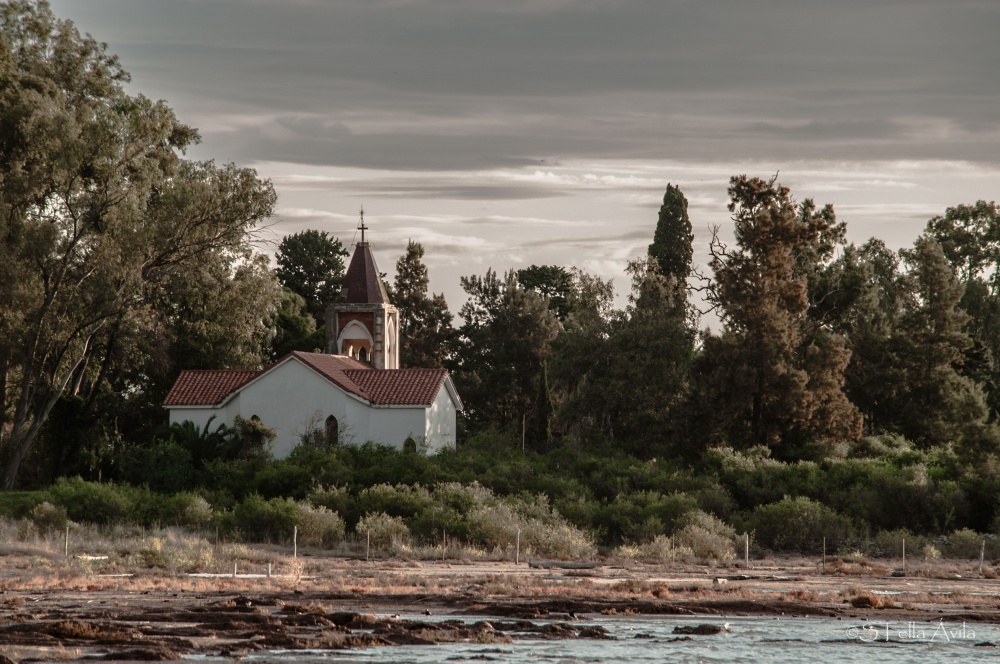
(337, 603)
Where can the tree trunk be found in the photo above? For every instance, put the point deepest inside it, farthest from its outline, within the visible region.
(4, 366)
(24, 434)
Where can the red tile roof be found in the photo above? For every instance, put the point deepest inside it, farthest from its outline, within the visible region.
(362, 281)
(334, 368)
(206, 388)
(392, 387)
(400, 387)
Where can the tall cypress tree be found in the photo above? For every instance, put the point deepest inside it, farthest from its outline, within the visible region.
(672, 240)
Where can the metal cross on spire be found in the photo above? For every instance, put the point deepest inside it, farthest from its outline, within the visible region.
(361, 225)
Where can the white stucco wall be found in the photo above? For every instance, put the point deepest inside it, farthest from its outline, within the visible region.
(198, 415)
(393, 426)
(441, 421)
(291, 397)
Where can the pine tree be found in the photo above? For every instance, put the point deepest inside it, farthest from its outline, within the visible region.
(424, 322)
(311, 263)
(937, 404)
(500, 348)
(781, 377)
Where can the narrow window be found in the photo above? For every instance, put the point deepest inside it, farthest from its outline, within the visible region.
(363, 354)
(332, 430)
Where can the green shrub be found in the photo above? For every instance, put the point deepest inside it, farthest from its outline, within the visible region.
(187, 509)
(884, 445)
(164, 466)
(48, 517)
(642, 515)
(95, 502)
(335, 498)
(706, 536)
(964, 543)
(385, 531)
(559, 540)
(318, 526)
(889, 543)
(18, 504)
(799, 524)
(494, 525)
(661, 549)
(399, 500)
(258, 519)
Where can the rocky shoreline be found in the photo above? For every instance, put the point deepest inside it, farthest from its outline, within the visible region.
(357, 604)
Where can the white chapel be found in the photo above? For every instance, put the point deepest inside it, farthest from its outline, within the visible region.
(355, 391)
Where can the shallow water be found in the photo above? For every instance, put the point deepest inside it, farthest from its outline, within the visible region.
(750, 639)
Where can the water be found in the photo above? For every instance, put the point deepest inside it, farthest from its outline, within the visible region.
(750, 639)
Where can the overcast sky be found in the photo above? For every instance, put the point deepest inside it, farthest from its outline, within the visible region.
(509, 132)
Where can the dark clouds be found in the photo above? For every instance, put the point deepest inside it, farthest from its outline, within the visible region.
(372, 83)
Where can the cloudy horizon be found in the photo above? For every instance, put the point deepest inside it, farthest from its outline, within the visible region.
(545, 131)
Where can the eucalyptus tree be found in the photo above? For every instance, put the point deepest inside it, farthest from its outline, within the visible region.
(99, 215)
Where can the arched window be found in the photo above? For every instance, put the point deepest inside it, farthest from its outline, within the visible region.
(363, 354)
(332, 430)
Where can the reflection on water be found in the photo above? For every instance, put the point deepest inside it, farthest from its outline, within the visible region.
(754, 639)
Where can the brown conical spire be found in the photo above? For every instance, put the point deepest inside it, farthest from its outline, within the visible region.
(363, 282)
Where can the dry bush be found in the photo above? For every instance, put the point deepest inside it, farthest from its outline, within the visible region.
(869, 600)
(661, 549)
(543, 532)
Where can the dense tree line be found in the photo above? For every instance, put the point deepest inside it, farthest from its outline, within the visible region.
(820, 342)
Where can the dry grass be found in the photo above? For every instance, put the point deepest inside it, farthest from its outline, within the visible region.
(160, 561)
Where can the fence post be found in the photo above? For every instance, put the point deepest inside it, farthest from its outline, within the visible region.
(269, 570)
(234, 570)
(368, 546)
(824, 554)
(982, 554)
(66, 543)
(904, 555)
(517, 548)
(295, 542)
(746, 550)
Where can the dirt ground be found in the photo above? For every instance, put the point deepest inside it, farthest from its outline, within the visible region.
(75, 611)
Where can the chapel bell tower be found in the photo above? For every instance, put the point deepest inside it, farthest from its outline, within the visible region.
(363, 323)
